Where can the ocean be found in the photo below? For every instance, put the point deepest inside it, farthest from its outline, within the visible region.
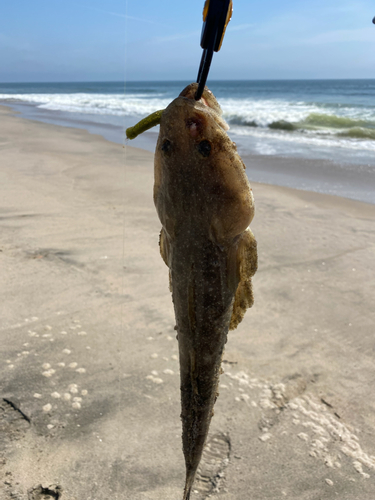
(329, 121)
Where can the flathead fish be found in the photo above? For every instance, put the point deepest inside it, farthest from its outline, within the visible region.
(205, 204)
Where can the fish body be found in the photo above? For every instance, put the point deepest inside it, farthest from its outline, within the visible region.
(205, 204)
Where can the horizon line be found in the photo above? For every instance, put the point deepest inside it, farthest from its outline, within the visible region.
(182, 80)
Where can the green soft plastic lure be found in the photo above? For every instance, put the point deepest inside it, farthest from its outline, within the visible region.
(145, 124)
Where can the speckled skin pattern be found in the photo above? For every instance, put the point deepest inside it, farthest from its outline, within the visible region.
(205, 204)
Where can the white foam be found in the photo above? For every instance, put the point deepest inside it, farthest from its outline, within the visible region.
(326, 437)
(306, 138)
(102, 104)
(155, 380)
(265, 437)
(265, 111)
(167, 371)
(318, 139)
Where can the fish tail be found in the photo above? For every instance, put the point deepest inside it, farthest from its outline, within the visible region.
(190, 476)
(187, 492)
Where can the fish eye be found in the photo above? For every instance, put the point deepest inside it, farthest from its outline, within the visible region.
(166, 146)
(204, 148)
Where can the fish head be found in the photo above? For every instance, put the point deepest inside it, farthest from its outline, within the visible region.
(208, 99)
(198, 170)
(185, 123)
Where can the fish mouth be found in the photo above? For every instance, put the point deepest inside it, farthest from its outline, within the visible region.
(208, 100)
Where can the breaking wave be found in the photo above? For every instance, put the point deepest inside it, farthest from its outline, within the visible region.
(103, 104)
(287, 120)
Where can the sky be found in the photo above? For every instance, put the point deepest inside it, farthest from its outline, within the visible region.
(116, 40)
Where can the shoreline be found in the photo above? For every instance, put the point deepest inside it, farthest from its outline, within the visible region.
(348, 180)
(89, 349)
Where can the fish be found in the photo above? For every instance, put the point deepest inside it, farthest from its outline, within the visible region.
(205, 205)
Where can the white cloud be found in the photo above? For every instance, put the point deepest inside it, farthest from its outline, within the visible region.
(240, 27)
(116, 14)
(177, 36)
(339, 36)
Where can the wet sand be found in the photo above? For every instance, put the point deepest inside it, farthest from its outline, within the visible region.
(349, 177)
(89, 370)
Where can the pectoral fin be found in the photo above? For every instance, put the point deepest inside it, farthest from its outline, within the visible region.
(164, 252)
(164, 247)
(247, 262)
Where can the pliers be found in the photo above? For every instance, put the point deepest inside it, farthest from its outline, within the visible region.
(216, 16)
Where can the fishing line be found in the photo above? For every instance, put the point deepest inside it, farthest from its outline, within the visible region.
(123, 266)
(125, 156)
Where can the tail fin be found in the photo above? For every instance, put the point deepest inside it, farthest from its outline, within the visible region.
(187, 493)
(190, 476)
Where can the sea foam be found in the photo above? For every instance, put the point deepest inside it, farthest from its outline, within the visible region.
(287, 120)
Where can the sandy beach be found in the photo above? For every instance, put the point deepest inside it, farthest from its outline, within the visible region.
(89, 369)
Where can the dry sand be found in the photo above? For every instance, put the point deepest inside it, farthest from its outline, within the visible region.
(89, 370)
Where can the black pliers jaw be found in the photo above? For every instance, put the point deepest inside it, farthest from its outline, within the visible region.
(216, 16)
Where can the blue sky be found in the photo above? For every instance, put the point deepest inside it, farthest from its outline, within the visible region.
(91, 40)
